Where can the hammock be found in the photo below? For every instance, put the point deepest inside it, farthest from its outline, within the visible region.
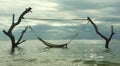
(53, 45)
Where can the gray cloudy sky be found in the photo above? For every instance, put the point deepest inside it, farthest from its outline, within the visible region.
(104, 13)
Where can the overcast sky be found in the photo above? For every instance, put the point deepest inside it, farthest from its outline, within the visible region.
(104, 13)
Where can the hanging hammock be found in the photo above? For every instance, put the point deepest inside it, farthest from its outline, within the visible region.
(53, 45)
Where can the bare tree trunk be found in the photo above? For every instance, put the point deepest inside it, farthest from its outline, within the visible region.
(107, 40)
(107, 44)
(9, 33)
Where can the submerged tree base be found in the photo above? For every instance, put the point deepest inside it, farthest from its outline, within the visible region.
(17, 50)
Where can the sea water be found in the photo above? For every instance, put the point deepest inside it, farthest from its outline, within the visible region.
(78, 53)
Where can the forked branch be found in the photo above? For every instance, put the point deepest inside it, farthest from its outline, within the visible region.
(13, 25)
(100, 34)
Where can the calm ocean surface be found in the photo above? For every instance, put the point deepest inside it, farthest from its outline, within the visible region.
(78, 53)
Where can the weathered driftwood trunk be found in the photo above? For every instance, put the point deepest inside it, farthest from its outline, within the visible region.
(107, 40)
(9, 33)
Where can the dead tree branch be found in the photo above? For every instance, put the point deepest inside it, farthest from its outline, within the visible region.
(13, 25)
(21, 36)
(100, 34)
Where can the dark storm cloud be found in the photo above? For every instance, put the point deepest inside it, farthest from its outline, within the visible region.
(109, 19)
(115, 8)
(92, 8)
(76, 4)
(87, 4)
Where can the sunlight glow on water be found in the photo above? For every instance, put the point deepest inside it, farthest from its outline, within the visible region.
(78, 53)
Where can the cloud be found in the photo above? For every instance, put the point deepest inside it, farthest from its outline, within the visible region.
(93, 8)
(103, 12)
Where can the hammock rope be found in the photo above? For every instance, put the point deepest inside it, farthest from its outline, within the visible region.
(55, 19)
(50, 44)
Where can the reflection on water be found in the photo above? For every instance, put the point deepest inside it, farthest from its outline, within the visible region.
(79, 53)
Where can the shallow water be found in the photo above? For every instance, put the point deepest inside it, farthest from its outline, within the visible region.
(78, 53)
